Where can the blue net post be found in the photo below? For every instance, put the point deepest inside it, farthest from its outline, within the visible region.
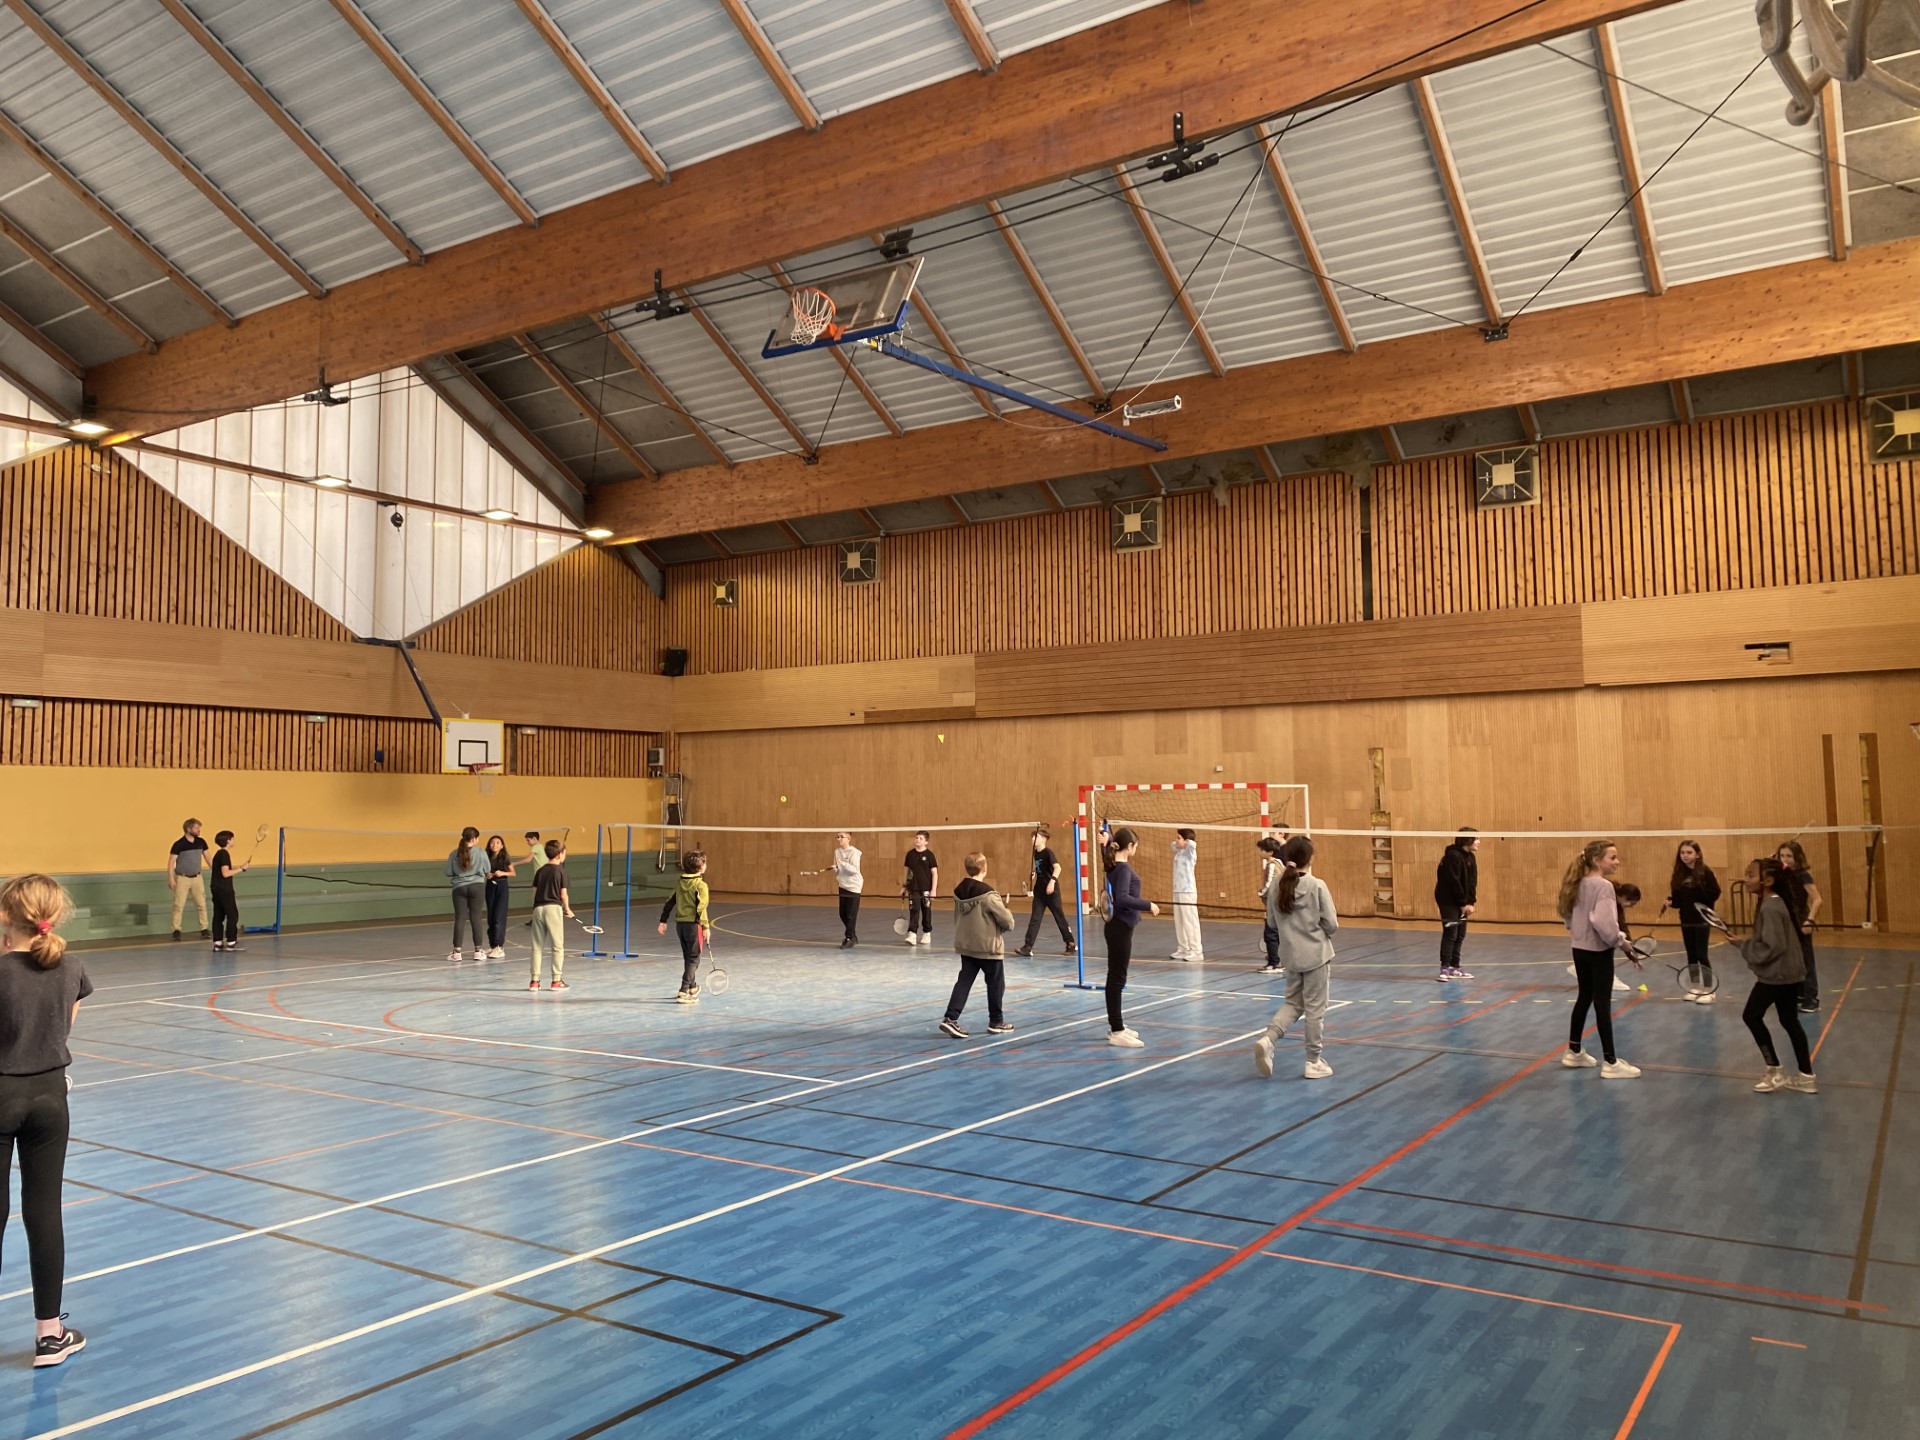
(626, 924)
(279, 889)
(1079, 982)
(599, 854)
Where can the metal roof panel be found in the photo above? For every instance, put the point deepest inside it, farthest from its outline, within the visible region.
(679, 352)
(849, 53)
(1373, 200)
(1017, 25)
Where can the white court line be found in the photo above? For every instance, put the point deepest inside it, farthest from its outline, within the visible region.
(447, 1302)
(507, 1044)
(312, 1049)
(331, 980)
(631, 1135)
(251, 974)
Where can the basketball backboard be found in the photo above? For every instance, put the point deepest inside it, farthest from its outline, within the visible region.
(467, 743)
(867, 303)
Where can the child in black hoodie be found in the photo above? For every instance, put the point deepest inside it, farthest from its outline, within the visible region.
(1456, 889)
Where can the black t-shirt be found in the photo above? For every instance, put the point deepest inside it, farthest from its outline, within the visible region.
(1043, 863)
(36, 1007)
(501, 864)
(188, 853)
(221, 860)
(548, 882)
(920, 867)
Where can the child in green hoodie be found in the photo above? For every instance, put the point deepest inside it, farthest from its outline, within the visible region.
(688, 906)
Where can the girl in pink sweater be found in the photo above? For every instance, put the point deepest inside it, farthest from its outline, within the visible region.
(1592, 912)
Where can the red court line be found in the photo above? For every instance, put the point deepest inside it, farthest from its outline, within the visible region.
(1239, 1257)
(1597, 1264)
(1445, 1024)
(1469, 1289)
(1646, 1385)
(1838, 1005)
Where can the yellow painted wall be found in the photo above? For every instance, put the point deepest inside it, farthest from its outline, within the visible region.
(72, 821)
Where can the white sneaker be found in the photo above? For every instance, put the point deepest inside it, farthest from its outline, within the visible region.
(926, 937)
(1805, 1084)
(1317, 1070)
(1703, 999)
(1618, 1070)
(454, 958)
(1125, 1039)
(1263, 1057)
(1619, 984)
(1774, 1079)
(912, 939)
(496, 953)
(1578, 1060)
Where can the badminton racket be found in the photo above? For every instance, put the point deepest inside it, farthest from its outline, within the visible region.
(900, 925)
(716, 977)
(1712, 918)
(259, 839)
(586, 929)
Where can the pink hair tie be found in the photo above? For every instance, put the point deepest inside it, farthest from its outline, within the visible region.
(44, 926)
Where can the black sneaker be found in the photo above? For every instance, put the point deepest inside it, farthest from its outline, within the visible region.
(1809, 1007)
(176, 936)
(219, 945)
(846, 942)
(952, 1027)
(234, 946)
(53, 1349)
(206, 934)
(1001, 1027)
(1025, 952)
(1071, 948)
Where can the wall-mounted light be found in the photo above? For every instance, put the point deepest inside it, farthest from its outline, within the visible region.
(24, 702)
(598, 532)
(316, 719)
(498, 514)
(331, 482)
(88, 428)
(529, 730)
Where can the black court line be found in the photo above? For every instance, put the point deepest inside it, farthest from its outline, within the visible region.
(1870, 1210)
(1305, 1120)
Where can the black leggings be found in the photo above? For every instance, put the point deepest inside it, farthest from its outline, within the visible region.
(33, 1115)
(1119, 956)
(1697, 938)
(1043, 904)
(1785, 1000)
(226, 915)
(850, 913)
(1453, 934)
(499, 898)
(1595, 971)
(1809, 987)
(689, 933)
(919, 912)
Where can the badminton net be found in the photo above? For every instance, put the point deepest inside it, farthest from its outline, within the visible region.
(336, 877)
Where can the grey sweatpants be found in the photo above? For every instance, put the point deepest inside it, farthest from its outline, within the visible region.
(1306, 995)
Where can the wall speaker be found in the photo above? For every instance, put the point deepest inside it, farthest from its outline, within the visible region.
(673, 662)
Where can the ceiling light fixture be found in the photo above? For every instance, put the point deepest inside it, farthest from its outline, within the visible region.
(331, 482)
(498, 514)
(88, 428)
(598, 532)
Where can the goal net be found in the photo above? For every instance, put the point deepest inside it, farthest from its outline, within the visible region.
(1228, 820)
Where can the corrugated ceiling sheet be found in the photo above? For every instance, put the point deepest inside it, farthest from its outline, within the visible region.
(511, 94)
(160, 71)
(915, 398)
(989, 309)
(1262, 302)
(1373, 201)
(849, 53)
(808, 387)
(1089, 251)
(55, 106)
(1017, 25)
(679, 352)
(319, 70)
(1534, 145)
(1732, 200)
(681, 72)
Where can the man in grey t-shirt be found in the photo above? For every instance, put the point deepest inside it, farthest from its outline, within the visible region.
(187, 876)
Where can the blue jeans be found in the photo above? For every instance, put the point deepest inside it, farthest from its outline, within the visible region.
(996, 973)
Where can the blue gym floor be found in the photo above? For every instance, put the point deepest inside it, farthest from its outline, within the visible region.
(334, 1187)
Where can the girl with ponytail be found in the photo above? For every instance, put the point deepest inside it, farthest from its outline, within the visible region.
(1592, 912)
(467, 869)
(1300, 912)
(40, 993)
(1124, 909)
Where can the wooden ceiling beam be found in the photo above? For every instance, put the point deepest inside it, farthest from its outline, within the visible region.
(624, 348)
(1456, 195)
(589, 83)
(1163, 258)
(397, 66)
(31, 333)
(745, 371)
(69, 182)
(1833, 145)
(1045, 297)
(585, 406)
(927, 152)
(771, 62)
(839, 353)
(985, 53)
(1682, 399)
(1390, 442)
(74, 285)
(1790, 312)
(1628, 150)
(513, 421)
(1303, 233)
(217, 51)
(166, 150)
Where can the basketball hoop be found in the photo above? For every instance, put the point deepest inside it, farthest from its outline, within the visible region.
(813, 316)
(482, 768)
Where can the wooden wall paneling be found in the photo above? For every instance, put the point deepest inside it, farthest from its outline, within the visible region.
(585, 608)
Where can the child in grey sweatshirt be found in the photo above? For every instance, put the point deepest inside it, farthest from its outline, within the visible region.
(1300, 912)
(1773, 953)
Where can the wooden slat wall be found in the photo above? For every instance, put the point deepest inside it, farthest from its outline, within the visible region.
(580, 752)
(1786, 497)
(1275, 555)
(189, 737)
(586, 608)
(83, 532)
